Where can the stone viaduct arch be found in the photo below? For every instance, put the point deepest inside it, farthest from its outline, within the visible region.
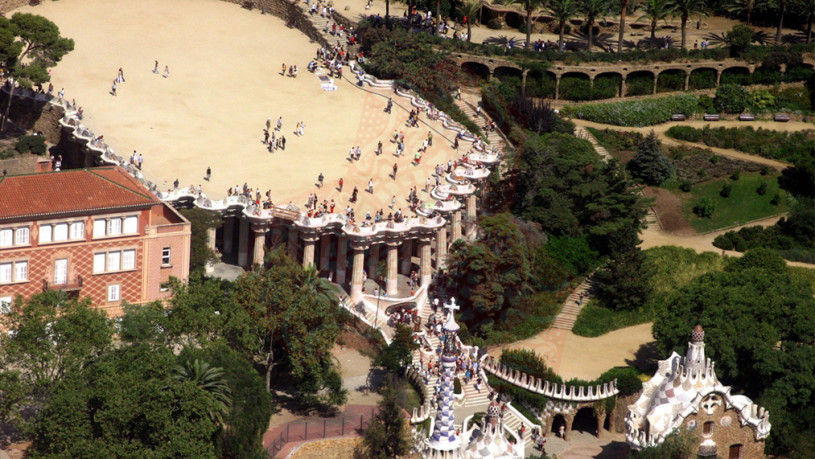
(592, 70)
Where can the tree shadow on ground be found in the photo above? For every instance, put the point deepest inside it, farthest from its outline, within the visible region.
(646, 358)
(614, 450)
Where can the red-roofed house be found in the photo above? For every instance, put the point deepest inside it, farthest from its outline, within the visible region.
(90, 232)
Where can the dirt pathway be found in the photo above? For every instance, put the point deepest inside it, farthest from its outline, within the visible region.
(660, 129)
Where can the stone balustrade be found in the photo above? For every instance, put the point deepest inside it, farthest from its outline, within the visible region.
(550, 389)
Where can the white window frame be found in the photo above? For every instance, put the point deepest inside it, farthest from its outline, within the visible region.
(100, 226)
(168, 256)
(114, 293)
(128, 261)
(46, 233)
(114, 261)
(130, 225)
(22, 236)
(114, 226)
(6, 237)
(21, 271)
(6, 272)
(57, 280)
(77, 231)
(99, 262)
(60, 232)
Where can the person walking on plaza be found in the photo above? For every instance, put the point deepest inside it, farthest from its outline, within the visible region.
(121, 76)
(390, 106)
(371, 185)
(340, 188)
(395, 168)
(166, 71)
(209, 173)
(320, 179)
(393, 202)
(155, 69)
(113, 88)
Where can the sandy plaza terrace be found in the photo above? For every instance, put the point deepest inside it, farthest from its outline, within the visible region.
(223, 86)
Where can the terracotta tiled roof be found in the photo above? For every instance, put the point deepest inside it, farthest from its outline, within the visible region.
(52, 193)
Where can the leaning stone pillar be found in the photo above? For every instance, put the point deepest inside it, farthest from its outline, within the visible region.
(373, 261)
(407, 256)
(455, 230)
(211, 236)
(325, 251)
(294, 235)
(309, 243)
(259, 249)
(471, 207)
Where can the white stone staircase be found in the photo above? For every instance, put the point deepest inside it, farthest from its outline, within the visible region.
(514, 424)
(467, 105)
(572, 306)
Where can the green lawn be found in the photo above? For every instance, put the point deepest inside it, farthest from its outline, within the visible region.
(742, 206)
(595, 320)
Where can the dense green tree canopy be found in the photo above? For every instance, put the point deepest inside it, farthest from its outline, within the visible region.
(759, 329)
(650, 164)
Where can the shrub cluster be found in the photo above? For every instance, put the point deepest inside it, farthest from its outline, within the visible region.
(30, 143)
(779, 145)
(645, 112)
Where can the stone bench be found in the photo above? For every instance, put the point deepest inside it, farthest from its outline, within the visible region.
(713, 117)
(781, 117)
(747, 117)
(678, 117)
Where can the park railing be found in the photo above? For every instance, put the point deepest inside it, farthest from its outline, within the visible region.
(320, 429)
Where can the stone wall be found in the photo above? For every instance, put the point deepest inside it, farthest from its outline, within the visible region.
(23, 164)
(35, 116)
(617, 416)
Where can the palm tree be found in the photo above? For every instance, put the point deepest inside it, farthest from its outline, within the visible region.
(655, 11)
(562, 11)
(530, 6)
(593, 9)
(210, 380)
(310, 281)
(809, 9)
(470, 9)
(685, 9)
(782, 8)
(745, 7)
(623, 12)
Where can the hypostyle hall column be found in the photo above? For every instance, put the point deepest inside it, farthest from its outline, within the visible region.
(425, 270)
(229, 230)
(373, 261)
(471, 200)
(441, 248)
(392, 284)
(259, 250)
(455, 232)
(407, 256)
(342, 257)
(294, 235)
(325, 251)
(243, 243)
(309, 242)
(356, 273)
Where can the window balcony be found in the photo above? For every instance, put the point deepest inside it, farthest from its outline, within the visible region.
(70, 285)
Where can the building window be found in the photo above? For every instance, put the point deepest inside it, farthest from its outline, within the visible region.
(735, 451)
(131, 225)
(45, 233)
(164, 287)
(61, 271)
(13, 272)
(114, 261)
(5, 304)
(21, 271)
(5, 273)
(708, 428)
(113, 293)
(60, 232)
(165, 256)
(21, 236)
(114, 226)
(78, 230)
(5, 237)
